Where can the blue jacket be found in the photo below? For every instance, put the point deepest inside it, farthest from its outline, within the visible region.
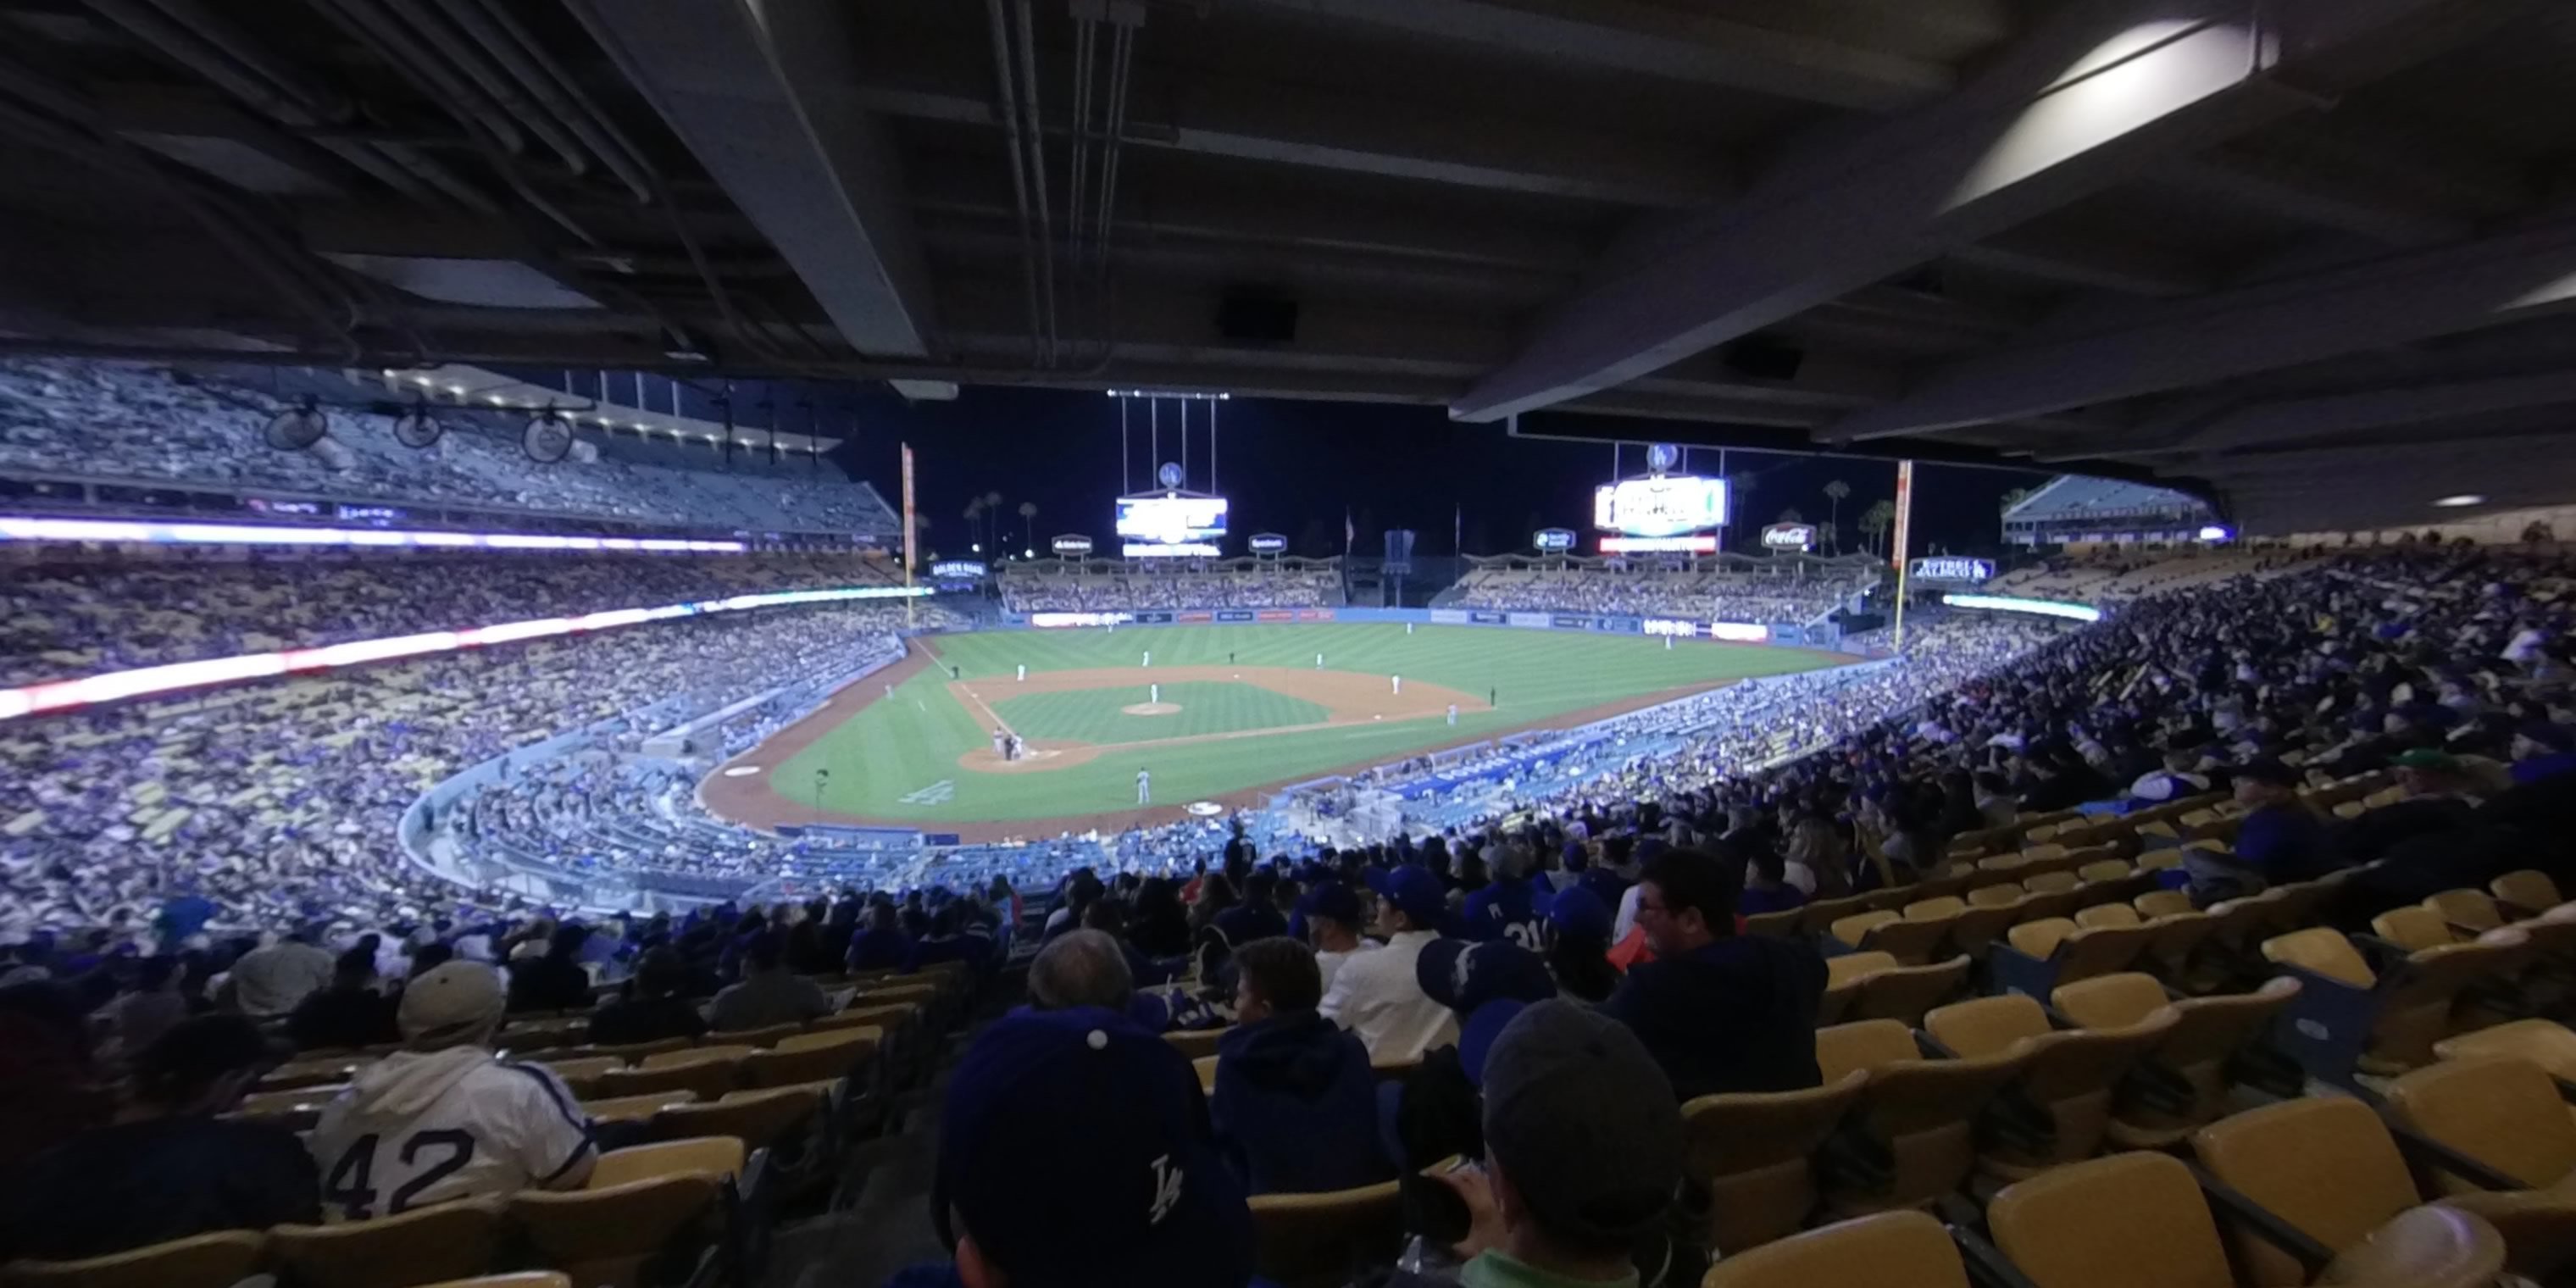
(1493, 912)
(879, 949)
(1296, 1106)
(2285, 843)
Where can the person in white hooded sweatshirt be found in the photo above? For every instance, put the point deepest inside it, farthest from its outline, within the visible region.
(443, 1118)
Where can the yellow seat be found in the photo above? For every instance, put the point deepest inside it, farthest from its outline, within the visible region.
(519, 1279)
(1917, 1114)
(2102, 870)
(2071, 1075)
(1886, 1250)
(1752, 1151)
(618, 1109)
(1843, 976)
(2502, 1111)
(581, 1075)
(759, 1119)
(1206, 1067)
(294, 1110)
(2474, 911)
(1777, 925)
(612, 1236)
(629, 1053)
(720, 1155)
(2162, 903)
(761, 1038)
(1906, 992)
(2527, 890)
(1195, 1043)
(443, 1241)
(708, 1071)
(2126, 1221)
(217, 1260)
(811, 1057)
(1854, 929)
(1317, 1240)
(1935, 909)
(2053, 883)
(2328, 1166)
(2108, 915)
(1819, 916)
(2413, 927)
(2546, 1043)
(2324, 951)
(1995, 896)
(2206, 1034)
(2070, 952)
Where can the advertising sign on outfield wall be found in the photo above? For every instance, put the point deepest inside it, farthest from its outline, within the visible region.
(1450, 617)
(1534, 621)
(1564, 622)
(1234, 614)
(1052, 621)
(1155, 619)
(1739, 632)
(1482, 618)
(1670, 626)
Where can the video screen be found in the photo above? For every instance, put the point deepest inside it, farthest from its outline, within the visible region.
(1660, 507)
(1171, 520)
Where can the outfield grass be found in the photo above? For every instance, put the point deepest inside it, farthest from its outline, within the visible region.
(897, 759)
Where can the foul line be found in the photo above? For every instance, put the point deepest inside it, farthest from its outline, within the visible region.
(989, 712)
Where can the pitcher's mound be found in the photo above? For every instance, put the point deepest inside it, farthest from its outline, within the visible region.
(1151, 708)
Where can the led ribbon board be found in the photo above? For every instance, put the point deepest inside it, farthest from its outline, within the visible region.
(2041, 607)
(19, 527)
(116, 686)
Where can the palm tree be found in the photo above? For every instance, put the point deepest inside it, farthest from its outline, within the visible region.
(1029, 525)
(1874, 523)
(974, 512)
(1835, 491)
(2014, 497)
(1791, 515)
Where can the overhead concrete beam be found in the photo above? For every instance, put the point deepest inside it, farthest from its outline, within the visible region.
(2101, 93)
(2311, 197)
(1290, 125)
(764, 95)
(1644, 40)
(2290, 420)
(2098, 264)
(2383, 303)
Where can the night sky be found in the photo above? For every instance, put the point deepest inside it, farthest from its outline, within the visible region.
(1292, 466)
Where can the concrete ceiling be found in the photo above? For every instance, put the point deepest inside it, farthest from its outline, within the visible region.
(2307, 255)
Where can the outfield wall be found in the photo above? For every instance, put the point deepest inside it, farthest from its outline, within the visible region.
(1788, 634)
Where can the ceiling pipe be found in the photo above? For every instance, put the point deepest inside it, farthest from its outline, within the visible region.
(489, 22)
(185, 33)
(473, 59)
(1037, 174)
(1006, 85)
(363, 22)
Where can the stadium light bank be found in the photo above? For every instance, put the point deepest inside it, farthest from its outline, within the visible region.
(117, 686)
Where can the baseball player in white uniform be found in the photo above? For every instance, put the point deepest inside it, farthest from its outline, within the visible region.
(1144, 787)
(442, 1118)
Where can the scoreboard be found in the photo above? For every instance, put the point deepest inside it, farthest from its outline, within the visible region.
(1667, 506)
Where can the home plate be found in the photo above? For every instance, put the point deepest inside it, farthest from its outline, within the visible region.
(742, 771)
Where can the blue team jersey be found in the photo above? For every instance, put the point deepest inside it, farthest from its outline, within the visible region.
(1506, 910)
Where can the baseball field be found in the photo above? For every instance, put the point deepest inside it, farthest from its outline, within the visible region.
(1219, 713)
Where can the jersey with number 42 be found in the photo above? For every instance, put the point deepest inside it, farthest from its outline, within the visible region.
(417, 1129)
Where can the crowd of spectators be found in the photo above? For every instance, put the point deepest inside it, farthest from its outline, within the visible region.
(133, 423)
(1712, 590)
(64, 618)
(1028, 589)
(273, 805)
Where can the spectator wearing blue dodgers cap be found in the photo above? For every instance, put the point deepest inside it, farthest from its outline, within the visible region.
(1075, 1152)
(1578, 944)
(1375, 994)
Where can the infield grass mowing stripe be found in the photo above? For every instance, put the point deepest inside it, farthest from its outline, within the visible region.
(1095, 715)
(891, 748)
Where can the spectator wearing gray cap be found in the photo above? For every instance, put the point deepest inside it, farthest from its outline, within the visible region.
(442, 1119)
(1583, 1156)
